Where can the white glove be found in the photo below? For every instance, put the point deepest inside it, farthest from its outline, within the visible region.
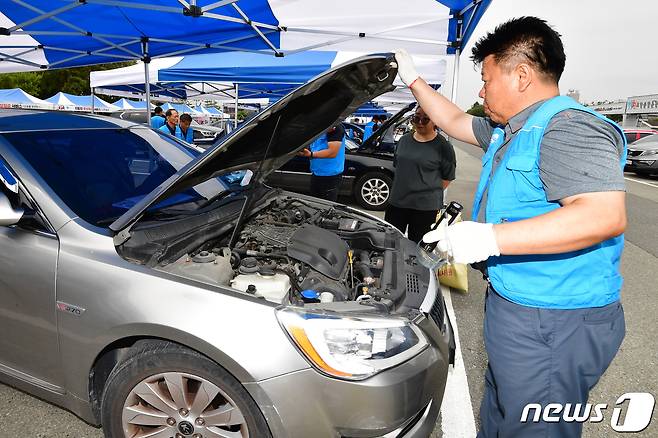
(406, 69)
(465, 242)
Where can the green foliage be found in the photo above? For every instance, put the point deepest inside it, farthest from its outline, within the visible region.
(242, 114)
(44, 84)
(476, 110)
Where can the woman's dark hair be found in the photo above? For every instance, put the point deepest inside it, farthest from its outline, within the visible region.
(185, 117)
(524, 39)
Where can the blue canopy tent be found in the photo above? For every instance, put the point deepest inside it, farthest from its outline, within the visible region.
(130, 104)
(17, 98)
(81, 103)
(42, 34)
(370, 109)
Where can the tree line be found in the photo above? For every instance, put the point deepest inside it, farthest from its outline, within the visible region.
(44, 84)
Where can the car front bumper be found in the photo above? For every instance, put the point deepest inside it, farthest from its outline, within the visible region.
(643, 164)
(400, 402)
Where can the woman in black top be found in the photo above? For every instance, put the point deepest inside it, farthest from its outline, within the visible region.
(424, 165)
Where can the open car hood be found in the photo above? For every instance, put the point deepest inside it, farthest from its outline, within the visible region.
(299, 118)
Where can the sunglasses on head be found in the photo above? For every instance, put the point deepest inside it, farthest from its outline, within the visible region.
(418, 120)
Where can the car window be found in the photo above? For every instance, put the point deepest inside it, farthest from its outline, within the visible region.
(101, 173)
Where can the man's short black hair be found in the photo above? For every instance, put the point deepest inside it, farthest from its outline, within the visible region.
(524, 39)
(158, 110)
(169, 112)
(185, 117)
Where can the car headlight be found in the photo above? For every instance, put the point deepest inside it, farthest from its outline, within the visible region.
(352, 348)
(650, 152)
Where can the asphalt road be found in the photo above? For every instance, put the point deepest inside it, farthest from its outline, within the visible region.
(633, 370)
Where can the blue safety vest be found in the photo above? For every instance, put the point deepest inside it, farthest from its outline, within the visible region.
(327, 166)
(157, 122)
(367, 130)
(177, 133)
(189, 135)
(585, 278)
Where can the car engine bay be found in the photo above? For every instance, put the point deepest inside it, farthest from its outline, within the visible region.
(297, 251)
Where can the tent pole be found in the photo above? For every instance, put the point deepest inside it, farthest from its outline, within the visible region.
(93, 100)
(455, 75)
(147, 82)
(236, 105)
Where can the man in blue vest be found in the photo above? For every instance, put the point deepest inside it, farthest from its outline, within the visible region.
(327, 161)
(171, 125)
(548, 219)
(158, 120)
(187, 132)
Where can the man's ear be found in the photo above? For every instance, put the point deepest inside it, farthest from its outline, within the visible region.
(524, 75)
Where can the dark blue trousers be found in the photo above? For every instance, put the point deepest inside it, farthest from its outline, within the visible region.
(543, 356)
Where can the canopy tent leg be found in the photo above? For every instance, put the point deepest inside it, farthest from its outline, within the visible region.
(236, 106)
(455, 76)
(147, 83)
(93, 100)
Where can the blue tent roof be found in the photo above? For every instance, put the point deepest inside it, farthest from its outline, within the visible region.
(370, 109)
(249, 68)
(74, 32)
(66, 33)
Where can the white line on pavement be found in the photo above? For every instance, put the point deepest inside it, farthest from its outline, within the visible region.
(457, 420)
(640, 182)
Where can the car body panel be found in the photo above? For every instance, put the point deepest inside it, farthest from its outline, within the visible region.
(642, 156)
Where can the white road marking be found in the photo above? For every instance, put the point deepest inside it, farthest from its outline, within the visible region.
(457, 420)
(641, 182)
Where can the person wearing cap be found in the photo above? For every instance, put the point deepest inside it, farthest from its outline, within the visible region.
(327, 161)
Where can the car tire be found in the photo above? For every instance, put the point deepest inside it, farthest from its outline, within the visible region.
(165, 386)
(372, 191)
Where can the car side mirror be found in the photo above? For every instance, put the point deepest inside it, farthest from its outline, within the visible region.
(8, 215)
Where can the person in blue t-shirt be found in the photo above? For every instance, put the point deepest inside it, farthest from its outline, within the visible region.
(158, 120)
(327, 157)
(171, 125)
(369, 128)
(186, 130)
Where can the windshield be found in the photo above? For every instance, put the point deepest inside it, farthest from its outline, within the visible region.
(101, 173)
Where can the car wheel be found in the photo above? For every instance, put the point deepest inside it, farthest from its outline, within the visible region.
(373, 190)
(166, 390)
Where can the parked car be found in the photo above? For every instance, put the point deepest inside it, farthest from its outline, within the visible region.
(368, 174)
(633, 135)
(161, 291)
(643, 156)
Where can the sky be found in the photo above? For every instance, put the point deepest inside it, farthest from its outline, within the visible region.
(611, 46)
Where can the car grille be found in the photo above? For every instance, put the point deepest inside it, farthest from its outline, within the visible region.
(633, 153)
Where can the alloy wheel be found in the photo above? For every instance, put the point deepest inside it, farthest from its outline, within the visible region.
(181, 405)
(375, 191)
